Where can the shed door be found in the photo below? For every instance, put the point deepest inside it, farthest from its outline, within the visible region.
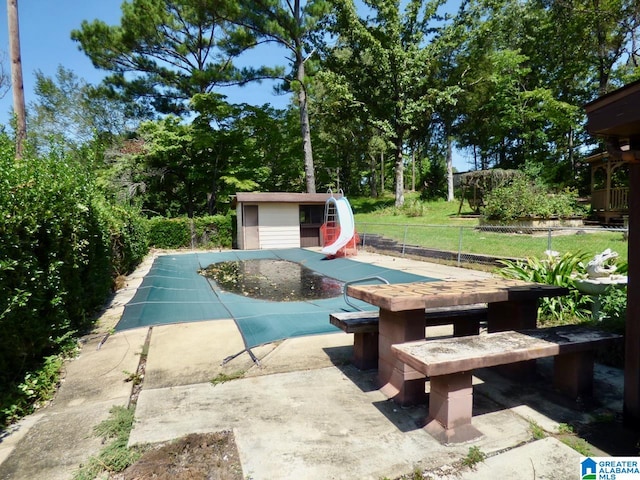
(311, 218)
(250, 224)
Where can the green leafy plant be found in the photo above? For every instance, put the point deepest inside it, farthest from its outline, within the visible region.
(61, 247)
(565, 429)
(553, 270)
(213, 231)
(474, 456)
(414, 207)
(169, 233)
(523, 198)
(578, 444)
(134, 378)
(37, 387)
(536, 430)
(115, 456)
(417, 475)
(227, 377)
(613, 306)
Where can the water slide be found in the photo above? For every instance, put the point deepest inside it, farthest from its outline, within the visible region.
(344, 217)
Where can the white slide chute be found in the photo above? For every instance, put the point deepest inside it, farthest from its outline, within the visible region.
(344, 217)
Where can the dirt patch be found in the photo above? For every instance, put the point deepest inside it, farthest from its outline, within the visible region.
(210, 456)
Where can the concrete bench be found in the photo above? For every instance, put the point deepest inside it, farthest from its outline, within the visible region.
(450, 363)
(364, 326)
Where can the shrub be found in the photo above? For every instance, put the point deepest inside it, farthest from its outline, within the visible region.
(475, 185)
(414, 207)
(213, 231)
(613, 307)
(56, 268)
(613, 315)
(127, 235)
(208, 232)
(168, 233)
(523, 199)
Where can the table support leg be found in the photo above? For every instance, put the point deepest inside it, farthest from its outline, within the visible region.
(573, 374)
(465, 327)
(451, 408)
(398, 381)
(365, 350)
(502, 316)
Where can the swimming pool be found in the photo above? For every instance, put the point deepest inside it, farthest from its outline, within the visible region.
(173, 292)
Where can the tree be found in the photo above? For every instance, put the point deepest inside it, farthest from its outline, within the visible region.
(509, 112)
(345, 142)
(16, 76)
(173, 168)
(271, 149)
(588, 51)
(70, 113)
(290, 24)
(244, 148)
(387, 60)
(164, 52)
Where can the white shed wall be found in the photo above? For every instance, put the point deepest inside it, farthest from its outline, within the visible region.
(239, 228)
(279, 225)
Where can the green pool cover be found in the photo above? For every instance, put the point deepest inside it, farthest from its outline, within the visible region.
(173, 291)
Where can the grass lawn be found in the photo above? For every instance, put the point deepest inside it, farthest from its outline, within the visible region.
(437, 225)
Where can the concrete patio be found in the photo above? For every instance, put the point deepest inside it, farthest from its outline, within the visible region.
(303, 411)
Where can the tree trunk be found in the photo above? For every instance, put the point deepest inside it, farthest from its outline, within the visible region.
(382, 172)
(450, 196)
(570, 153)
(399, 171)
(16, 76)
(413, 169)
(309, 169)
(475, 158)
(190, 202)
(212, 197)
(372, 178)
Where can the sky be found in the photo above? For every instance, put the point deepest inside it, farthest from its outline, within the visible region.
(45, 42)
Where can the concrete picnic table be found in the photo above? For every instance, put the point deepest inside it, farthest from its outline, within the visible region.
(512, 305)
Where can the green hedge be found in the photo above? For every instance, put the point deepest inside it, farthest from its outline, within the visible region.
(202, 232)
(61, 245)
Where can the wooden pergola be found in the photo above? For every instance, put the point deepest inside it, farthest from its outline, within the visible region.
(616, 118)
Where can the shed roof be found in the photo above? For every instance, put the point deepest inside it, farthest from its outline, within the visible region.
(281, 197)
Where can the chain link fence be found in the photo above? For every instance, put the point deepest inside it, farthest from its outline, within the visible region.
(487, 244)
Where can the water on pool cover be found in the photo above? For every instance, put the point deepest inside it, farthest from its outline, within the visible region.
(273, 279)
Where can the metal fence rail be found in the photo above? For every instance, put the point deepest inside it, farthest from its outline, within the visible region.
(487, 243)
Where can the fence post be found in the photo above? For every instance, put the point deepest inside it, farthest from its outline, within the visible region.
(364, 235)
(404, 240)
(460, 246)
(549, 240)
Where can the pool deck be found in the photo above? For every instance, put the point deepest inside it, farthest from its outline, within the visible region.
(303, 412)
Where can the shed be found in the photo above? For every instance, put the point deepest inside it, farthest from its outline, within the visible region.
(616, 118)
(279, 219)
